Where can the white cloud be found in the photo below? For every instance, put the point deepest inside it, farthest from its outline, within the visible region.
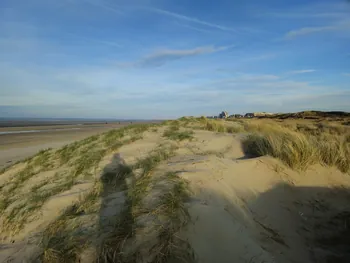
(341, 25)
(190, 19)
(307, 30)
(302, 71)
(162, 56)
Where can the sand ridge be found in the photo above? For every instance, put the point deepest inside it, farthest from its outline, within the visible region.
(236, 208)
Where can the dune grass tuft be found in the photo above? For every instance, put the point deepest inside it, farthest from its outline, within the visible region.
(300, 148)
(173, 133)
(293, 149)
(169, 209)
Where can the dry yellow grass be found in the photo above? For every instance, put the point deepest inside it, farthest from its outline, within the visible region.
(300, 145)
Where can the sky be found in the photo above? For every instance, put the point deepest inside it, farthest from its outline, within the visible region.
(150, 59)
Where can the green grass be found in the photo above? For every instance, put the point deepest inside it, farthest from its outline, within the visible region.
(139, 188)
(68, 152)
(80, 158)
(64, 240)
(173, 201)
(61, 242)
(149, 163)
(37, 197)
(170, 210)
(43, 159)
(173, 133)
(113, 136)
(171, 216)
(87, 160)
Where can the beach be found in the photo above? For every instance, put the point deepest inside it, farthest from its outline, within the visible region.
(20, 142)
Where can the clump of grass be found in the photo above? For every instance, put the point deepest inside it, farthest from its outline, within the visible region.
(335, 151)
(68, 152)
(90, 139)
(113, 138)
(173, 133)
(215, 126)
(43, 160)
(87, 160)
(292, 148)
(234, 129)
(149, 163)
(60, 244)
(172, 207)
(301, 148)
(174, 200)
(112, 249)
(64, 239)
(113, 135)
(183, 118)
(37, 198)
(139, 128)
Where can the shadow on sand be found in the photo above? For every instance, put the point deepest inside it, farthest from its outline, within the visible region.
(311, 221)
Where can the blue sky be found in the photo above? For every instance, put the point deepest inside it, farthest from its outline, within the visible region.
(167, 58)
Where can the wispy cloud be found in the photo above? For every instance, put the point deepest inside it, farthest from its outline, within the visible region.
(343, 25)
(307, 30)
(190, 19)
(161, 57)
(193, 28)
(302, 71)
(305, 15)
(346, 74)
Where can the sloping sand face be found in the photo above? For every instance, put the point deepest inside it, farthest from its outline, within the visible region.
(138, 196)
(258, 210)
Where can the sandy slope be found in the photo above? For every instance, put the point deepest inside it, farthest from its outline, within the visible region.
(241, 209)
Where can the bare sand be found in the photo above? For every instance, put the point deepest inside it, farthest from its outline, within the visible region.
(242, 209)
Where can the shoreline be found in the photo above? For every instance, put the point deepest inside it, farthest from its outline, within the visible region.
(19, 143)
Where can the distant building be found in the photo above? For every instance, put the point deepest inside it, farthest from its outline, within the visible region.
(223, 115)
(249, 115)
(238, 116)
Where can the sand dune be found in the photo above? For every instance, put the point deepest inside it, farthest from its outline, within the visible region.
(142, 197)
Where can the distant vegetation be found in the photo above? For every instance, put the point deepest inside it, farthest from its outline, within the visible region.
(298, 145)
